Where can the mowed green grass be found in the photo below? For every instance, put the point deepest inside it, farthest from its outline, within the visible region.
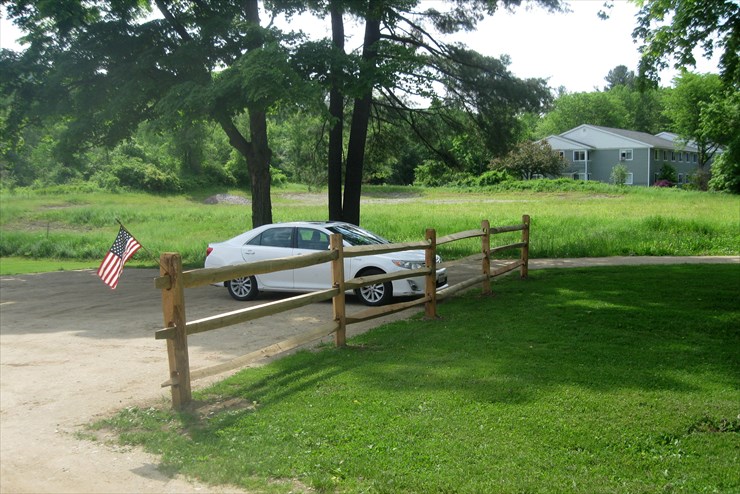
(597, 380)
(604, 221)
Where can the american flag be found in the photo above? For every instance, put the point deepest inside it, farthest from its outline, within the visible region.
(122, 249)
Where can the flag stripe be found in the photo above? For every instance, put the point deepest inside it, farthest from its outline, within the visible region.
(123, 248)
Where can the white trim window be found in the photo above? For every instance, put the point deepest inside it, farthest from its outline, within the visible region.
(680, 156)
(561, 154)
(579, 155)
(625, 155)
(630, 179)
(680, 178)
(657, 154)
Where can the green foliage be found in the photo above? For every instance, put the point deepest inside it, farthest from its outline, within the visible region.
(725, 175)
(672, 30)
(493, 177)
(133, 173)
(619, 107)
(619, 174)
(684, 105)
(591, 393)
(667, 172)
(529, 159)
(432, 174)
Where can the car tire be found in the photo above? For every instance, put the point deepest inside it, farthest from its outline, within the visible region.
(375, 295)
(243, 289)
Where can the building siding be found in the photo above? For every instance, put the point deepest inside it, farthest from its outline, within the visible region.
(605, 146)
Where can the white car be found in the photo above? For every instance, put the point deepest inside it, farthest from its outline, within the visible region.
(292, 239)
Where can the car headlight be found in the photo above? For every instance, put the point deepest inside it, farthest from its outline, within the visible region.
(413, 264)
(408, 264)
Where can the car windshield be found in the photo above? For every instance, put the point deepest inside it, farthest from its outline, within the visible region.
(357, 236)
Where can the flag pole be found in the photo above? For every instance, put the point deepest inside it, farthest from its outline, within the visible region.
(151, 254)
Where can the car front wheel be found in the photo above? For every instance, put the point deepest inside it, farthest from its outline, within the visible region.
(375, 295)
(243, 288)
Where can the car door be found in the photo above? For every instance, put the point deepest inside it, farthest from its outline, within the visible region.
(272, 243)
(316, 277)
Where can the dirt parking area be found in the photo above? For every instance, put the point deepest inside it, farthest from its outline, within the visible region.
(72, 351)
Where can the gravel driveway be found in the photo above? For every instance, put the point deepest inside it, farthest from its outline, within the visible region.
(71, 351)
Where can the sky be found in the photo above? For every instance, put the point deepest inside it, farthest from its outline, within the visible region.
(575, 50)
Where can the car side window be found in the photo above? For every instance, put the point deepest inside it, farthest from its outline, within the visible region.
(274, 237)
(309, 238)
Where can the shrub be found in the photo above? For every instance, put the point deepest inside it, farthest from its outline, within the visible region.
(432, 174)
(530, 159)
(493, 177)
(135, 174)
(663, 183)
(667, 173)
(619, 174)
(725, 175)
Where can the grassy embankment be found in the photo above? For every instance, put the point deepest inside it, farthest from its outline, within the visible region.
(591, 381)
(69, 230)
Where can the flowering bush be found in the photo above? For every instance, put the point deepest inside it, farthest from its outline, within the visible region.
(663, 183)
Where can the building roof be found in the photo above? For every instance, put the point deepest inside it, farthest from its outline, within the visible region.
(643, 137)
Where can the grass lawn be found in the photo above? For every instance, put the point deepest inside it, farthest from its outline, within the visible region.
(597, 380)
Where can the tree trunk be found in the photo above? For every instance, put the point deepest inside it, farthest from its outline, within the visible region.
(336, 110)
(258, 155)
(259, 169)
(361, 119)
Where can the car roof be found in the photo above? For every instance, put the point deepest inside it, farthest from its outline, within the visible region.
(309, 223)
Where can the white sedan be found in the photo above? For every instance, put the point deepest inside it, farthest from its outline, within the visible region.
(293, 239)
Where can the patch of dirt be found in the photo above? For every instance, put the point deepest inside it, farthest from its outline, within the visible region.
(226, 199)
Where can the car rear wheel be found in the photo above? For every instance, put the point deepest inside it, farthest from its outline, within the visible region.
(375, 295)
(243, 288)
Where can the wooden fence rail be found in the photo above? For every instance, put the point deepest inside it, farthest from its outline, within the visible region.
(173, 281)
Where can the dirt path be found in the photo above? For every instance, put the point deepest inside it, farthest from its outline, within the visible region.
(72, 350)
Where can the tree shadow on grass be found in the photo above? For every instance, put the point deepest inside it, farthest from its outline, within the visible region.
(648, 328)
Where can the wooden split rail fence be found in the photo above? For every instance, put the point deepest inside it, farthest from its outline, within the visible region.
(173, 281)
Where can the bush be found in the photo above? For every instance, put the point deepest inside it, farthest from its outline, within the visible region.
(493, 177)
(619, 174)
(725, 175)
(135, 174)
(432, 174)
(668, 173)
(663, 183)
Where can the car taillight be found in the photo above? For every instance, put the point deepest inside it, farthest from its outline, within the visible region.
(208, 251)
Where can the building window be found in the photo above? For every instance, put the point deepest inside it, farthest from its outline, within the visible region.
(579, 155)
(686, 155)
(673, 156)
(657, 154)
(625, 155)
(680, 178)
(665, 155)
(561, 154)
(629, 180)
(695, 157)
(680, 156)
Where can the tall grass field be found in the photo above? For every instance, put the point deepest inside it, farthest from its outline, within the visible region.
(41, 230)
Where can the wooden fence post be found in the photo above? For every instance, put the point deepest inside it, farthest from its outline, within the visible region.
(173, 310)
(524, 272)
(486, 249)
(338, 301)
(430, 285)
